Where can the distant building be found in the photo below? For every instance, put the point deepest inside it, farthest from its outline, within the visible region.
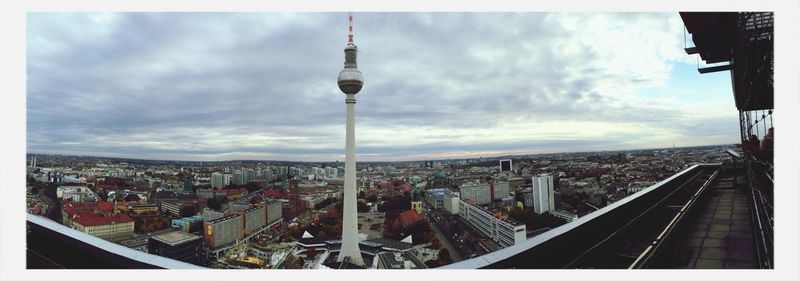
(331, 173)
(543, 197)
(250, 175)
(527, 197)
(435, 197)
(500, 190)
(564, 215)
(139, 209)
(76, 193)
(188, 187)
(505, 165)
(227, 179)
(176, 245)
(451, 199)
(174, 206)
(238, 178)
(479, 192)
(217, 180)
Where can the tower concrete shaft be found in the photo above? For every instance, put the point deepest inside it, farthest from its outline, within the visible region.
(350, 82)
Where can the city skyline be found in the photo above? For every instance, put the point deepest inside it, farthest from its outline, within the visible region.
(123, 85)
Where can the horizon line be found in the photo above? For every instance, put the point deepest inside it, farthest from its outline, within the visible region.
(379, 161)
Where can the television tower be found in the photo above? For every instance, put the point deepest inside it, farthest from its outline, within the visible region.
(350, 82)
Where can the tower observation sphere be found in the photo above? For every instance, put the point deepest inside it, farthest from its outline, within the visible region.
(350, 78)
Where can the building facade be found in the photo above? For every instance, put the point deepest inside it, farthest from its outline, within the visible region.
(104, 227)
(504, 232)
(223, 231)
(543, 197)
(217, 180)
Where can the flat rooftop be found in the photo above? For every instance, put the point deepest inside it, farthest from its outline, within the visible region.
(175, 237)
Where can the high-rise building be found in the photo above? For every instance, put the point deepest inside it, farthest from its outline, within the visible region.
(250, 175)
(238, 178)
(223, 231)
(543, 196)
(350, 82)
(266, 175)
(451, 199)
(217, 180)
(227, 178)
(331, 173)
(505, 165)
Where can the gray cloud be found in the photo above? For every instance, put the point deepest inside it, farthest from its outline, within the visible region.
(216, 86)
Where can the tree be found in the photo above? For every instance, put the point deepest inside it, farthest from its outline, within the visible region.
(362, 207)
(187, 211)
(214, 204)
(444, 257)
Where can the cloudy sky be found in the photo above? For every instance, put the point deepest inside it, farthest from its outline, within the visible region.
(220, 86)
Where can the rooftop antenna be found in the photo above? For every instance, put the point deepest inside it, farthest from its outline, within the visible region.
(350, 32)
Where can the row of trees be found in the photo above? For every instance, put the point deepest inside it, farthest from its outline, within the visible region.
(533, 220)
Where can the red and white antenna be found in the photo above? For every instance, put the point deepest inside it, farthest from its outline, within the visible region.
(350, 34)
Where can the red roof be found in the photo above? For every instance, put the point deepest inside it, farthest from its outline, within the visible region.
(94, 219)
(74, 208)
(105, 206)
(408, 218)
(275, 193)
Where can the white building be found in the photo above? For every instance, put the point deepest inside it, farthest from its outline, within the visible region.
(451, 200)
(485, 193)
(331, 173)
(238, 178)
(476, 191)
(217, 180)
(250, 175)
(543, 194)
(76, 193)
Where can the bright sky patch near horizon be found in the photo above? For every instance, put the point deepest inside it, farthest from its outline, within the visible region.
(262, 86)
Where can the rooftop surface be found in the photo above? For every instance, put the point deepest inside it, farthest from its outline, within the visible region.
(176, 237)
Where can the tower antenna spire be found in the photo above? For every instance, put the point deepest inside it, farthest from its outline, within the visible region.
(350, 32)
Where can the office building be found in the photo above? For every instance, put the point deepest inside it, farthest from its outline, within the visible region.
(543, 197)
(480, 193)
(435, 197)
(238, 178)
(505, 165)
(451, 199)
(217, 180)
(176, 245)
(255, 219)
(223, 232)
(331, 173)
(505, 232)
(274, 211)
(250, 175)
